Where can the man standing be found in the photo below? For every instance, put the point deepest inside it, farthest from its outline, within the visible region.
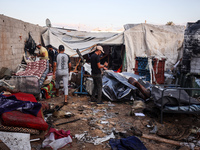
(43, 53)
(52, 54)
(62, 67)
(96, 74)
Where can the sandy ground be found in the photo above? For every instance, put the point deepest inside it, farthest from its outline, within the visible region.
(117, 117)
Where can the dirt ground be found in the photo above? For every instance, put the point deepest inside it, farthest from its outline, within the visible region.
(120, 118)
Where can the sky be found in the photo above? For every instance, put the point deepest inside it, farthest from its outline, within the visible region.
(101, 14)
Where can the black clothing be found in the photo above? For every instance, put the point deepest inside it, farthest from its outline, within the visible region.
(51, 56)
(94, 60)
(97, 80)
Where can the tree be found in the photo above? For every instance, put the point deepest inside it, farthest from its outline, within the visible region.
(170, 23)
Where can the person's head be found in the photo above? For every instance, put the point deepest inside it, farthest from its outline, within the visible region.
(50, 47)
(61, 48)
(99, 50)
(39, 46)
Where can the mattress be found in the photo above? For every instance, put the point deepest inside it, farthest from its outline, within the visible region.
(38, 68)
(19, 119)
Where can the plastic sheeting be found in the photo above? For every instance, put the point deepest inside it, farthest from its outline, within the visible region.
(116, 86)
(84, 41)
(140, 40)
(16, 141)
(172, 97)
(146, 40)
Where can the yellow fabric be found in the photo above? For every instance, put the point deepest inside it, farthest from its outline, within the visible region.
(43, 50)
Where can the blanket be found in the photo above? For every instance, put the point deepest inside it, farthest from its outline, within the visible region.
(12, 103)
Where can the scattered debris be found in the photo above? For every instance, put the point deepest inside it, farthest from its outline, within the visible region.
(57, 124)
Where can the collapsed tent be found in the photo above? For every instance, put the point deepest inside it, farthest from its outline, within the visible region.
(116, 86)
(141, 40)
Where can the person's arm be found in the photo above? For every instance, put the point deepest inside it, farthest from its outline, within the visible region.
(41, 55)
(99, 65)
(54, 69)
(54, 66)
(69, 65)
(102, 66)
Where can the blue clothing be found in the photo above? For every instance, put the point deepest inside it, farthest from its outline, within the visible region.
(12, 103)
(129, 143)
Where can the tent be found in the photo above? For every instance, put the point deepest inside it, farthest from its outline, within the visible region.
(141, 40)
(146, 40)
(84, 41)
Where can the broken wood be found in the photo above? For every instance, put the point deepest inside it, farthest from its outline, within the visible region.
(161, 139)
(137, 132)
(75, 69)
(57, 124)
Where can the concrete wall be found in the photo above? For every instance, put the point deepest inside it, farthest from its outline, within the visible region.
(13, 34)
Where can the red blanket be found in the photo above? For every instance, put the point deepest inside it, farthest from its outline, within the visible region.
(19, 119)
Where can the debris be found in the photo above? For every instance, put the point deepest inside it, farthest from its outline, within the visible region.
(95, 140)
(155, 129)
(106, 138)
(139, 114)
(56, 139)
(110, 104)
(33, 140)
(57, 124)
(55, 144)
(155, 138)
(177, 132)
(138, 105)
(104, 122)
(161, 139)
(62, 114)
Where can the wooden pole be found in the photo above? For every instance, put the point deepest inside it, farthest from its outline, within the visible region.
(161, 139)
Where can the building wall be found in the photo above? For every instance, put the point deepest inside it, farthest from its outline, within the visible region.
(13, 34)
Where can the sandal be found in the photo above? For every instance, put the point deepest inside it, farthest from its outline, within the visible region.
(65, 103)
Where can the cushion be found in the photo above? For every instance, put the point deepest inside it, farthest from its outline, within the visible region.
(19, 119)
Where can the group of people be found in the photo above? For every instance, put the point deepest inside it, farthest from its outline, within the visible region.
(61, 66)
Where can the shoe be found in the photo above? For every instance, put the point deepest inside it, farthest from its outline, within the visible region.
(100, 103)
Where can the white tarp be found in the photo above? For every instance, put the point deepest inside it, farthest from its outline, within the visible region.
(140, 40)
(84, 41)
(16, 141)
(145, 40)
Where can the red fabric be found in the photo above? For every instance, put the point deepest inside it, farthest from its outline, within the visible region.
(58, 134)
(19, 119)
(120, 69)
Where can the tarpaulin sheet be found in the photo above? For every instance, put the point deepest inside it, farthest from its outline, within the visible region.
(146, 40)
(172, 97)
(116, 86)
(141, 40)
(84, 41)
